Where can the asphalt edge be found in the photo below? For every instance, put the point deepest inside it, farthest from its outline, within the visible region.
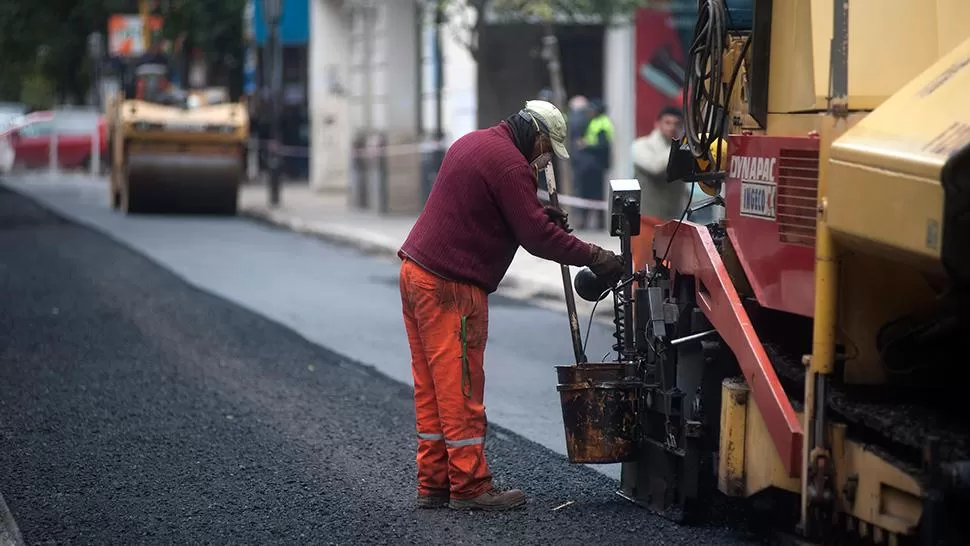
(9, 532)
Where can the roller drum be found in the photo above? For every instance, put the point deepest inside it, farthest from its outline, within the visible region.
(184, 182)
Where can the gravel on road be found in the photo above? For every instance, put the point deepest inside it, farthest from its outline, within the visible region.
(137, 409)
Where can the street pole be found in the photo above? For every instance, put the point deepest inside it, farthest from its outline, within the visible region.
(439, 84)
(273, 10)
(438, 154)
(96, 49)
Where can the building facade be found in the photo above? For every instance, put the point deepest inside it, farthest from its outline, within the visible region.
(295, 35)
(373, 87)
(365, 101)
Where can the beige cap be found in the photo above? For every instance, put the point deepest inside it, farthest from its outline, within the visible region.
(551, 122)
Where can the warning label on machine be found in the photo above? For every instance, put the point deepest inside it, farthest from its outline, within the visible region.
(758, 200)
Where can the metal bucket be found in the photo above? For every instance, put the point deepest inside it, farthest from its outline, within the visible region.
(598, 412)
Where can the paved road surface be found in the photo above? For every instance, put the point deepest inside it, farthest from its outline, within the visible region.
(339, 298)
(137, 409)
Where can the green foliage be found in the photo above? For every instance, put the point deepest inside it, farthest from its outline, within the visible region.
(63, 27)
(37, 92)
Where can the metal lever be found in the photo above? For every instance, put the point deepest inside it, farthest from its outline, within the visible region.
(692, 337)
(567, 280)
(716, 200)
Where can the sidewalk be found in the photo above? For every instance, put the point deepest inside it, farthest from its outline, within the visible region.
(327, 216)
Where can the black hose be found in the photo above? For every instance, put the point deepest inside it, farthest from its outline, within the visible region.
(703, 93)
(706, 100)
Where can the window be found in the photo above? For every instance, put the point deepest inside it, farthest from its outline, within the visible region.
(76, 123)
(37, 129)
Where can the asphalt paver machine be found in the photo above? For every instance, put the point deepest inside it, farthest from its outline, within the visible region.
(810, 349)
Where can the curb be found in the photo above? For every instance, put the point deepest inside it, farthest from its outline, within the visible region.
(9, 532)
(370, 243)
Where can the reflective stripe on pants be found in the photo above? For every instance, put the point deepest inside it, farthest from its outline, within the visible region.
(447, 327)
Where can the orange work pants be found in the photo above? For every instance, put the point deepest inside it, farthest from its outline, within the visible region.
(447, 326)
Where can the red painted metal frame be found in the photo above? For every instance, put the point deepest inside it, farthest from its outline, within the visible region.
(693, 253)
(781, 274)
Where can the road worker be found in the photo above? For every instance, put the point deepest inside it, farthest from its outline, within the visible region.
(482, 207)
(594, 159)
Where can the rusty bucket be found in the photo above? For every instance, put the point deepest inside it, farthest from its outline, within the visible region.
(598, 412)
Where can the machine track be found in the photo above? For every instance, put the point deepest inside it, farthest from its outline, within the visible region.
(896, 421)
(884, 419)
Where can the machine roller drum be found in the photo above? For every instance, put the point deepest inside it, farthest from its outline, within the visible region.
(183, 182)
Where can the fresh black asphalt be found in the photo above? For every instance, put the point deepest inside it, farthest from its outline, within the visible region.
(137, 409)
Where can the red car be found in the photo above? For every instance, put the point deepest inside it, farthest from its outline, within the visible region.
(26, 144)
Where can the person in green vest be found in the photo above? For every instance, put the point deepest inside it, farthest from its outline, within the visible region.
(594, 158)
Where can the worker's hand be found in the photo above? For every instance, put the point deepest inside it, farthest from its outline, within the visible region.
(607, 265)
(558, 217)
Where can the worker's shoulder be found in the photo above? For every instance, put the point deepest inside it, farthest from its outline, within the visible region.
(493, 136)
(490, 148)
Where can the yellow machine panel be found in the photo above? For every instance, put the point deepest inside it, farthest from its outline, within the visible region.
(892, 41)
(901, 162)
(205, 123)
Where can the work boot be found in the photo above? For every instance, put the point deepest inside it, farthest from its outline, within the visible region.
(490, 500)
(434, 500)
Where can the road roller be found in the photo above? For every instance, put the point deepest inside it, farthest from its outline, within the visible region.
(804, 357)
(175, 150)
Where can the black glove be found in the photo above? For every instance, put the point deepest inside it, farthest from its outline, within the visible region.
(607, 265)
(558, 217)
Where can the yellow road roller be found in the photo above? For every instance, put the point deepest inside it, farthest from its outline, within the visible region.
(175, 150)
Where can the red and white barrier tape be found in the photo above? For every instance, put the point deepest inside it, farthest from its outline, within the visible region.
(407, 149)
(369, 151)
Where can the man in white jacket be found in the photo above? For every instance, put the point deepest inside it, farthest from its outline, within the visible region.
(660, 200)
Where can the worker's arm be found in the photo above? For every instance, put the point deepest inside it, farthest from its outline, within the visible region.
(649, 157)
(515, 193)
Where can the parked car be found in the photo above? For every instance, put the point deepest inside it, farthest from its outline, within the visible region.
(26, 143)
(10, 112)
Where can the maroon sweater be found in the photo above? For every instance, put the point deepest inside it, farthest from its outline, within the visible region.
(482, 207)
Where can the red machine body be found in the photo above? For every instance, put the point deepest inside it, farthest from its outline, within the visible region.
(771, 197)
(692, 252)
(771, 194)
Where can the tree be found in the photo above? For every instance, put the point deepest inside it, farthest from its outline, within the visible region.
(63, 26)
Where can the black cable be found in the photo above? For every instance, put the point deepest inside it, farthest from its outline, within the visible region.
(589, 325)
(703, 88)
(705, 103)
